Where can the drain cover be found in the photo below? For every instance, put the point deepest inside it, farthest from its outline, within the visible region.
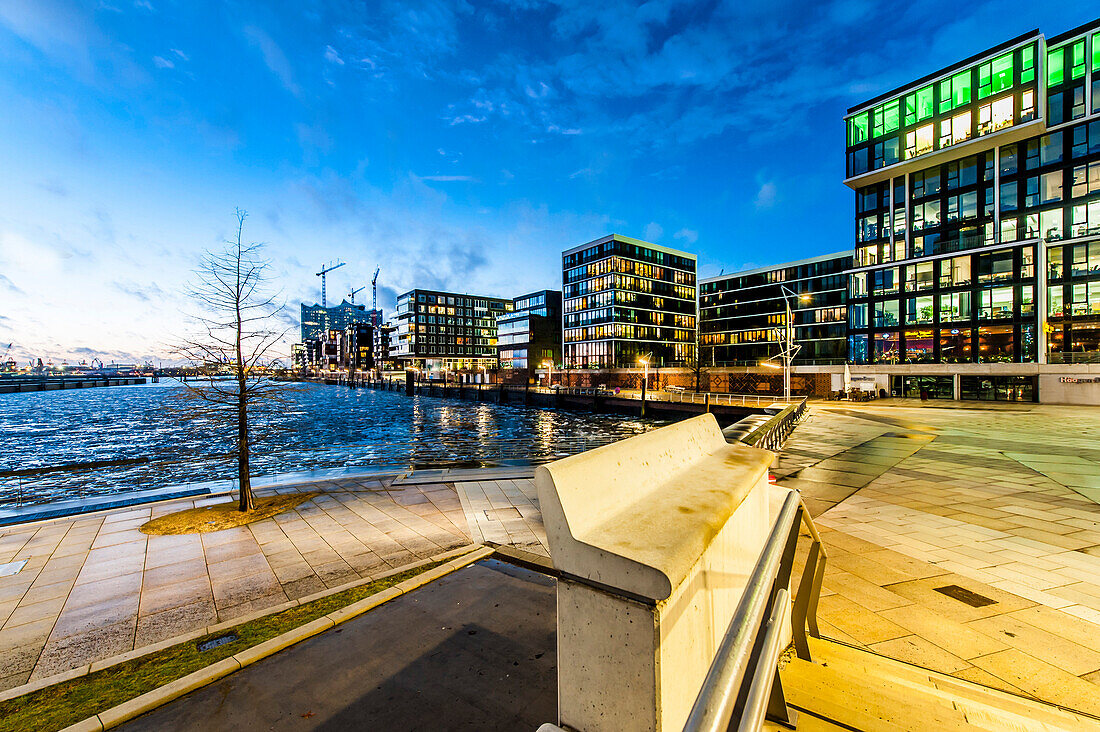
(973, 599)
(221, 640)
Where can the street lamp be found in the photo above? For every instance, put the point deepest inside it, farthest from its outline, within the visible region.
(790, 349)
(550, 375)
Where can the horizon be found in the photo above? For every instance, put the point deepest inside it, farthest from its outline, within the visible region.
(455, 146)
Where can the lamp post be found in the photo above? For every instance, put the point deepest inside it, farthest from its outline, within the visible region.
(550, 374)
(644, 361)
(789, 348)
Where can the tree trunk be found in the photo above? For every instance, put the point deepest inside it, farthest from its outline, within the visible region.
(243, 473)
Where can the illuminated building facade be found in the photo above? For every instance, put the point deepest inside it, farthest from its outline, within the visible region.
(446, 331)
(625, 299)
(977, 218)
(531, 333)
(742, 316)
(317, 319)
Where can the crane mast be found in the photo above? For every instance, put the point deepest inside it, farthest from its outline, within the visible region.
(325, 269)
(374, 287)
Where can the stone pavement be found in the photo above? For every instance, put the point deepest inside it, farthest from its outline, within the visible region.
(917, 503)
(94, 586)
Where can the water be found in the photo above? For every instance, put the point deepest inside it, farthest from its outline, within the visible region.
(321, 427)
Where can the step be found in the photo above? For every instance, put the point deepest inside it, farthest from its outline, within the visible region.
(865, 690)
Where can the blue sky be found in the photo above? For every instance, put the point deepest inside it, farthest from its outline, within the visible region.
(455, 145)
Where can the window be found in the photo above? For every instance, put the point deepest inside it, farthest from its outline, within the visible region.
(1051, 224)
(955, 271)
(997, 303)
(886, 119)
(1077, 103)
(1050, 148)
(1077, 60)
(996, 267)
(1027, 106)
(1009, 229)
(1055, 67)
(1056, 109)
(1027, 64)
(1009, 164)
(857, 129)
(886, 313)
(995, 76)
(1055, 302)
(919, 106)
(954, 306)
(1008, 196)
(925, 182)
(1050, 187)
(886, 280)
(1003, 113)
(962, 173)
(919, 310)
(1054, 263)
(1027, 299)
(955, 345)
(955, 92)
(919, 141)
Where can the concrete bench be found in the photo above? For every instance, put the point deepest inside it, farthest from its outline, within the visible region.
(655, 537)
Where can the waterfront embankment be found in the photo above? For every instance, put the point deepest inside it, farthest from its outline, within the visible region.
(20, 384)
(665, 406)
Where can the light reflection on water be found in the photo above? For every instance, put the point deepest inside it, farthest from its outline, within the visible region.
(323, 426)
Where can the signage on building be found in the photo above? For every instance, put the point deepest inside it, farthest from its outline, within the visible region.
(1080, 379)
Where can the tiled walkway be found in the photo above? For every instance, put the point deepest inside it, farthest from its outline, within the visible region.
(913, 500)
(95, 586)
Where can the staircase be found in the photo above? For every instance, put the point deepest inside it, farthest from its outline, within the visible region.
(846, 688)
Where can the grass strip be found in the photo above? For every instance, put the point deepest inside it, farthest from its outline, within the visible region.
(58, 706)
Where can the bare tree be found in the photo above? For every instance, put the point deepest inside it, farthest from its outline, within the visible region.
(697, 365)
(234, 331)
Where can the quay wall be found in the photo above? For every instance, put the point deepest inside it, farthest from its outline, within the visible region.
(17, 386)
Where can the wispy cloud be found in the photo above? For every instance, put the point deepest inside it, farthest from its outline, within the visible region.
(688, 236)
(765, 196)
(162, 63)
(274, 58)
(449, 178)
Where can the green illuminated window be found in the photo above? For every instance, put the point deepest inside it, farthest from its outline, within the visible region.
(925, 104)
(945, 96)
(857, 129)
(1077, 70)
(1002, 73)
(886, 119)
(960, 86)
(1096, 52)
(1055, 67)
(1027, 64)
(985, 80)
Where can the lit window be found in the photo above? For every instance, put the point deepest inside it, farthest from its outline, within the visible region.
(1002, 113)
(960, 128)
(1077, 65)
(857, 129)
(1027, 106)
(1055, 67)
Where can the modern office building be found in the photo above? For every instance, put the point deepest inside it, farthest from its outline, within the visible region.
(447, 331)
(626, 299)
(743, 316)
(357, 347)
(317, 319)
(977, 221)
(531, 333)
(383, 336)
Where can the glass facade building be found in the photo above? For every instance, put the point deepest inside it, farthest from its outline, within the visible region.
(977, 211)
(317, 320)
(625, 299)
(446, 330)
(742, 316)
(531, 332)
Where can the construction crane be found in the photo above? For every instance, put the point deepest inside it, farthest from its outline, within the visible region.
(325, 269)
(353, 293)
(374, 286)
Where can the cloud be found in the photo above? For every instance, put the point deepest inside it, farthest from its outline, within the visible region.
(162, 63)
(7, 284)
(332, 56)
(688, 236)
(653, 232)
(274, 58)
(182, 56)
(449, 178)
(765, 197)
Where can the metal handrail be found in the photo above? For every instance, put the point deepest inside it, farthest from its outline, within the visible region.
(772, 434)
(723, 695)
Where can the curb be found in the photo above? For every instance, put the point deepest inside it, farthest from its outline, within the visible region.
(151, 700)
(101, 664)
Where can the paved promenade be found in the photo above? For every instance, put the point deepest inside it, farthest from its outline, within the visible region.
(917, 503)
(95, 586)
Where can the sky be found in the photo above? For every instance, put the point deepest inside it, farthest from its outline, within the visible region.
(455, 145)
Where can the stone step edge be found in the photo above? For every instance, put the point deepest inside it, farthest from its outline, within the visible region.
(148, 701)
(86, 669)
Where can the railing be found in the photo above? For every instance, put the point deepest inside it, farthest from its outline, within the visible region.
(742, 686)
(1075, 357)
(772, 434)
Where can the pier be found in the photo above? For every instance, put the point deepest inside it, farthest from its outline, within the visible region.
(19, 384)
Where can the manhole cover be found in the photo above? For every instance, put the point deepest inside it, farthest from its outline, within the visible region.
(221, 640)
(973, 599)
